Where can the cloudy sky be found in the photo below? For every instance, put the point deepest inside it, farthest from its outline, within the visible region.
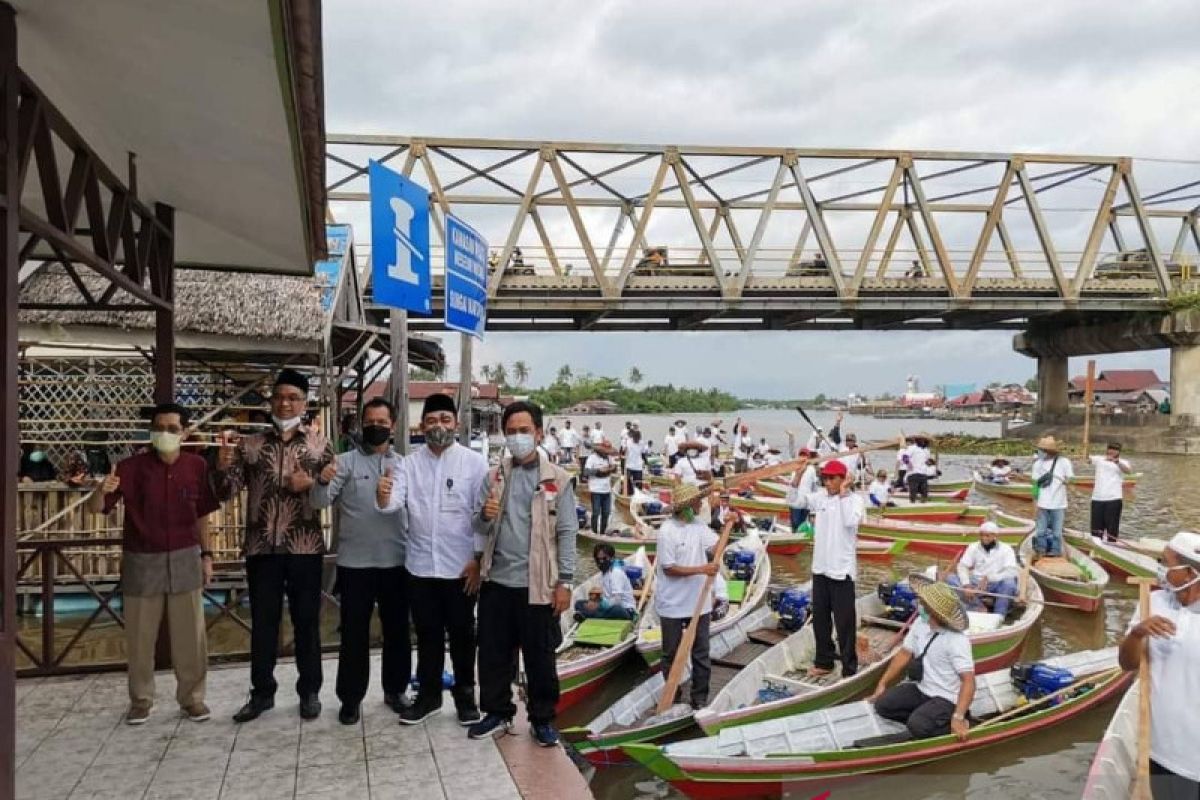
(1112, 78)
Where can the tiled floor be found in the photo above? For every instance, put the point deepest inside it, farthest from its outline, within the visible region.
(72, 743)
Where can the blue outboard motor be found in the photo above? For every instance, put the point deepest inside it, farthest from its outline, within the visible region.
(635, 575)
(652, 508)
(764, 523)
(792, 606)
(1034, 681)
(900, 599)
(581, 515)
(740, 564)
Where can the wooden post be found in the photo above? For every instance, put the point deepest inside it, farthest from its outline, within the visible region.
(398, 323)
(1141, 786)
(1087, 405)
(464, 392)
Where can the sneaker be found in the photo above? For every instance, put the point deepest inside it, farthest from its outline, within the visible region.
(468, 712)
(421, 710)
(491, 726)
(197, 712)
(137, 714)
(310, 706)
(254, 708)
(544, 734)
(396, 702)
(349, 715)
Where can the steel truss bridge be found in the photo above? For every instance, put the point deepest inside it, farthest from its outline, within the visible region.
(611, 237)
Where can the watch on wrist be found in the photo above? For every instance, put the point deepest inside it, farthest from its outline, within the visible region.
(959, 717)
(564, 584)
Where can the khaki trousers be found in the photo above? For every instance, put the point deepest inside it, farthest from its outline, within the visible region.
(189, 645)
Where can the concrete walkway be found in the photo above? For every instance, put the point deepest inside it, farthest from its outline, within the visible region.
(72, 743)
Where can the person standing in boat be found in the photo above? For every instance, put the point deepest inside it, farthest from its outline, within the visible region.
(551, 444)
(902, 463)
(919, 469)
(1108, 492)
(1051, 474)
(165, 561)
(742, 445)
(615, 600)
(635, 461)
(935, 699)
(838, 513)
(1171, 635)
(687, 468)
(671, 447)
(568, 442)
(598, 471)
(682, 563)
(988, 565)
(804, 483)
(525, 545)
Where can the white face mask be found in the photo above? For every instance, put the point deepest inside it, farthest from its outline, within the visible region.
(164, 442)
(285, 424)
(1166, 584)
(521, 445)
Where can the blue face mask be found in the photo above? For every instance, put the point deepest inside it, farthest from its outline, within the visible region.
(1041, 453)
(37, 456)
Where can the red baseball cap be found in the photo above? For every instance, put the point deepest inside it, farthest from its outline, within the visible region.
(834, 467)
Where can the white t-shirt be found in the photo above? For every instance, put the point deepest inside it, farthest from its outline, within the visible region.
(1054, 495)
(598, 435)
(617, 589)
(797, 496)
(880, 492)
(1109, 478)
(550, 445)
(681, 544)
(1000, 474)
(720, 590)
(569, 438)
(835, 534)
(946, 660)
(684, 470)
(598, 484)
(996, 565)
(671, 444)
(635, 453)
(918, 461)
(703, 461)
(1174, 687)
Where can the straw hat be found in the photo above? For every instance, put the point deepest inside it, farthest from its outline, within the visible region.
(603, 448)
(1048, 443)
(941, 601)
(684, 496)
(692, 444)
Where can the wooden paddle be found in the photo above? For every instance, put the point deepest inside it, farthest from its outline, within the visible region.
(1141, 784)
(1087, 406)
(816, 430)
(1015, 599)
(647, 587)
(684, 653)
(1012, 712)
(740, 480)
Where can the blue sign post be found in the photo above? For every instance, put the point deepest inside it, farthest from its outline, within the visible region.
(399, 240)
(337, 242)
(466, 278)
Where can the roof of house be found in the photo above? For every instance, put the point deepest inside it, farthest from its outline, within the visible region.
(419, 390)
(1120, 380)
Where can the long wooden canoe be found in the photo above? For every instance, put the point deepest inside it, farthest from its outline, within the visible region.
(776, 756)
(1013, 490)
(1114, 768)
(1084, 591)
(582, 668)
(1119, 559)
(942, 537)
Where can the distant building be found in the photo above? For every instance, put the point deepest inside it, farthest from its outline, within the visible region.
(921, 400)
(592, 407)
(1113, 383)
(1009, 397)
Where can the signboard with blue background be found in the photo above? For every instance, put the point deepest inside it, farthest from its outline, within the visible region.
(399, 241)
(466, 278)
(329, 272)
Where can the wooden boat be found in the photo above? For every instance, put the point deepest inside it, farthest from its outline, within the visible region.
(625, 541)
(1114, 768)
(783, 541)
(940, 489)
(583, 667)
(933, 511)
(1075, 579)
(1013, 490)
(942, 537)
(772, 757)
(649, 642)
(1118, 558)
(632, 718)
(1087, 480)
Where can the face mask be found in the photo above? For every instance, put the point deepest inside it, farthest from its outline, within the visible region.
(165, 443)
(1164, 570)
(604, 564)
(521, 445)
(440, 437)
(375, 435)
(990, 546)
(923, 614)
(285, 424)
(693, 453)
(688, 514)
(37, 455)
(1041, 453)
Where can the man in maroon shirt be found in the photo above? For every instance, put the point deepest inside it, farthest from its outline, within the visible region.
(166, 561)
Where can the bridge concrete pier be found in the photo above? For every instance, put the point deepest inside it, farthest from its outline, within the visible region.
(1185, 386)
(1053, 381)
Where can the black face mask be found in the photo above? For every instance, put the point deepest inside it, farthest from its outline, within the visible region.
(375, 435)
(990, 546)
(604, 564)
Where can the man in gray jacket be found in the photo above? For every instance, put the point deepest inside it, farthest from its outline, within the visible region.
(370, 563)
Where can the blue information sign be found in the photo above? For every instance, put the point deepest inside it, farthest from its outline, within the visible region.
(466, 278)
(399, 240)
(337, 242)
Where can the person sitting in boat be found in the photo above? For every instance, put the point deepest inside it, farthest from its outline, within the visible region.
(1000, 471)
(1171, 638)
(720, 595)
(774, 457)
(721, 512)
(936, 657)
(990, 566)
(613, 598)
(880, 491)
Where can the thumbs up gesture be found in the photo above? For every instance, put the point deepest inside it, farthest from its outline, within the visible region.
(300, 481)
(228, 450)
(111, 483)
(491, 506)
(383, 490)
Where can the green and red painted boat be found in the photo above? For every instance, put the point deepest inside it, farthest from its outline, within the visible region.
(592, 650)
(1114, 768)
(1117, 558)
(831, 745)
(942, 537)
(933, 511)
(1013, 490)
(1076, 579)
(783, 541)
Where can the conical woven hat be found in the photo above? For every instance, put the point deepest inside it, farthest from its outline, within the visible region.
(684, 496)
(941, 601)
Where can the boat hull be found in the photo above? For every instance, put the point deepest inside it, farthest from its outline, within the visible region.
(1086, 596)
(1120, 562)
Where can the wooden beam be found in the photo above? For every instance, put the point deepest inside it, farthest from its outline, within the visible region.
(890, 248)
(1009, 251)
(549, 247)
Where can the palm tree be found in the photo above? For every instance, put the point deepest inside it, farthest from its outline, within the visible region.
(564, 373)
(520, 372)
(635, 376)
(500, 375)
(486, 371)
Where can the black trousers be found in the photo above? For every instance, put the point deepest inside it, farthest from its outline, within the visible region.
(634, 480)
(1106, 518)
(270, 578)
(361, 590)
(441, 610)
(1166, 785)
(918, 486)
(508, 623)
(833, 608)
(672, 637)
(925, 716)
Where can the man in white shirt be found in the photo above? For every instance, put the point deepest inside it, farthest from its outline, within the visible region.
(438, 488)
(880, 491)
(597, 471)
(616, 593)
(937, 703)
(1051, 473)
(838, 513)
(919, 469)
(704, 461)
(988, 565)
(854, 462)
(902, 460)
(682, 563)
(671, 446)
(551, 445)
(1108, 492)
(804, 483)
(635, 461)
(742, 445)
(598, 435)
(568, 441)
(687, 467)
(1171, 637)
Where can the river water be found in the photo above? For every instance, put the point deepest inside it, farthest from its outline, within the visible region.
(1051, 765)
